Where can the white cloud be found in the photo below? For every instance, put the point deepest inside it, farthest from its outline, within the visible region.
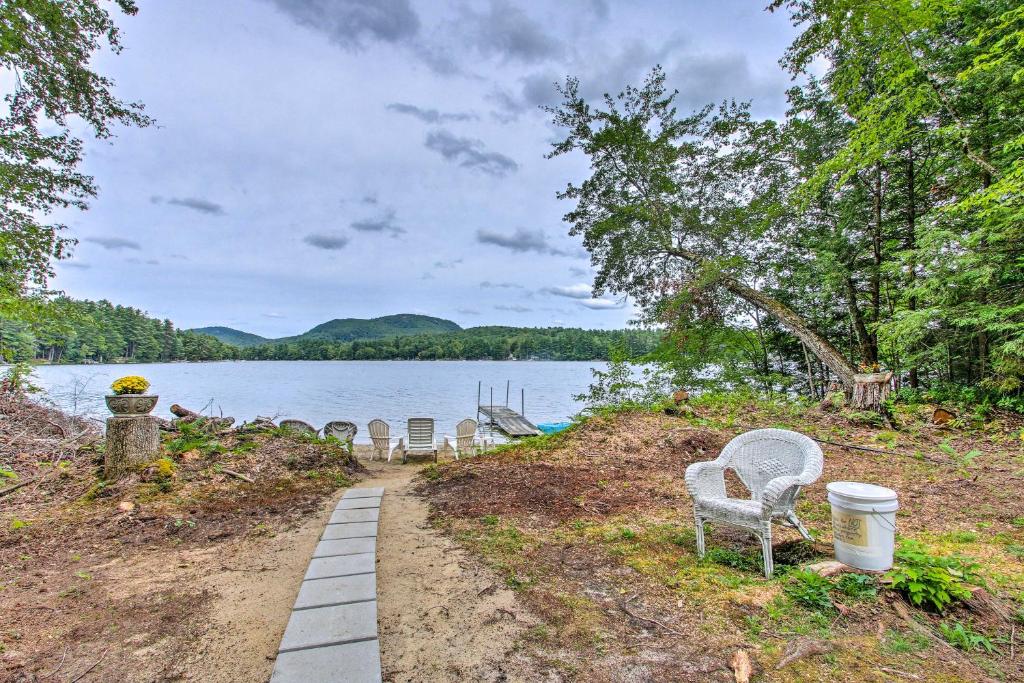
(577, 291)
(602, 304)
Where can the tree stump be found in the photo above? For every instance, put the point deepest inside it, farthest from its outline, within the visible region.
(132, 440)
(870, 390)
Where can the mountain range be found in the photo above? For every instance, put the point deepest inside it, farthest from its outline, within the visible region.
(342, 330)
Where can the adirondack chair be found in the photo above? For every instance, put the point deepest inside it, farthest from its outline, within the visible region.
(380, 435)
(420, 437)
(299, 426)
(464, 442)
(342, 430)
(773, 464)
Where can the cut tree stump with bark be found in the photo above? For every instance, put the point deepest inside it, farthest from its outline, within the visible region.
(870, 391)
(132, 441)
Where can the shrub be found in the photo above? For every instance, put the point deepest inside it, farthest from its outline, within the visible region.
(18, 380)
(930, 581)
(810, 590)
(193, 436)
(132, 384)
(857, 586)
(965, 638)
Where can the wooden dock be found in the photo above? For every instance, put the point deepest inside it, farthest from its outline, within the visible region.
(508, 421)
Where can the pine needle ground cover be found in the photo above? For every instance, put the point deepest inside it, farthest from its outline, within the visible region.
(91, 570)
(594, 528)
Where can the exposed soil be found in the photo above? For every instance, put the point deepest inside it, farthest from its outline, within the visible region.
(594, 528)
(601, 474)
(441, 615)
(137, 581)
(566, 558)
(252, 587)
(189, 574)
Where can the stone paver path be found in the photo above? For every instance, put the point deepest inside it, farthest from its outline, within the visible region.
(332, 634)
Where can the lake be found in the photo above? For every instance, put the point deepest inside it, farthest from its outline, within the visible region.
(320, 391)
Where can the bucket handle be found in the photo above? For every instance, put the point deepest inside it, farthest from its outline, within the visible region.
(879, 515)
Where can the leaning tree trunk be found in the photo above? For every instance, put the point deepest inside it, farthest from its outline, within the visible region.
(132, 441)
(868, 391)
(790, 319)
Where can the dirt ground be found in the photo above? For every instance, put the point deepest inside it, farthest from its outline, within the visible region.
(442, 615)
(593, 529)
(567, 558)
(200, 590)
(252, 593)
(181, 570)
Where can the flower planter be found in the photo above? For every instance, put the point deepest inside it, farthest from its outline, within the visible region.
(131, 404)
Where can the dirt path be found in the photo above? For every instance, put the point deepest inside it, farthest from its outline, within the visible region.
(254, 591)
(441, 617)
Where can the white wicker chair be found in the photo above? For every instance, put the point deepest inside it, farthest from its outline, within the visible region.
(773, 464)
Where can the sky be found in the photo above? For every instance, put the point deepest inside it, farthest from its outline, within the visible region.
(319, 159)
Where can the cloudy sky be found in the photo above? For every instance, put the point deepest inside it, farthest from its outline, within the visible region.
(316, 159)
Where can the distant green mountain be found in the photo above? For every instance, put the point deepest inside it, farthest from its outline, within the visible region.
(343, 330)
(352, 329)
(233, 337)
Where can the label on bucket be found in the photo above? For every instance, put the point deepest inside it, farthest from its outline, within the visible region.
(850, 528)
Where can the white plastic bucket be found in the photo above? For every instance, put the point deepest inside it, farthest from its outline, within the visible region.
(863, 524)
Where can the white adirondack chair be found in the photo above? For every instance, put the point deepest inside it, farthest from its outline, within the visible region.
(420, 437)
(380, 435)
(465, 440)
(773, 464)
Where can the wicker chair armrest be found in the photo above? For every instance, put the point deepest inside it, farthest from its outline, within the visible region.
(706, 480)
(776, 489)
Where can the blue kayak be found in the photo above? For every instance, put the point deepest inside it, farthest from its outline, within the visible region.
(553, 427)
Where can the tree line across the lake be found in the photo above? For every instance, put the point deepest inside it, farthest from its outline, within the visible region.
(73, 331)
(475, 343)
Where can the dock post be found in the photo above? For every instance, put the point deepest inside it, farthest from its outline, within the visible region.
(479, 385)
(522, 405)
(508, 384)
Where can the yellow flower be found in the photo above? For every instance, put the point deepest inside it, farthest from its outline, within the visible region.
(132, 384)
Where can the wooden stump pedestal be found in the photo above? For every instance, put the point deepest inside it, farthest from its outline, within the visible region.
(132, 440)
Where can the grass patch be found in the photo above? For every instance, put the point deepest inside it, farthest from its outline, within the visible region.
(899, 643)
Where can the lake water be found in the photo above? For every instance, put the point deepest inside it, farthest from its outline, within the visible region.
(320, 391)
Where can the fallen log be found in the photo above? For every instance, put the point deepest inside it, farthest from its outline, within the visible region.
(186, 416)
